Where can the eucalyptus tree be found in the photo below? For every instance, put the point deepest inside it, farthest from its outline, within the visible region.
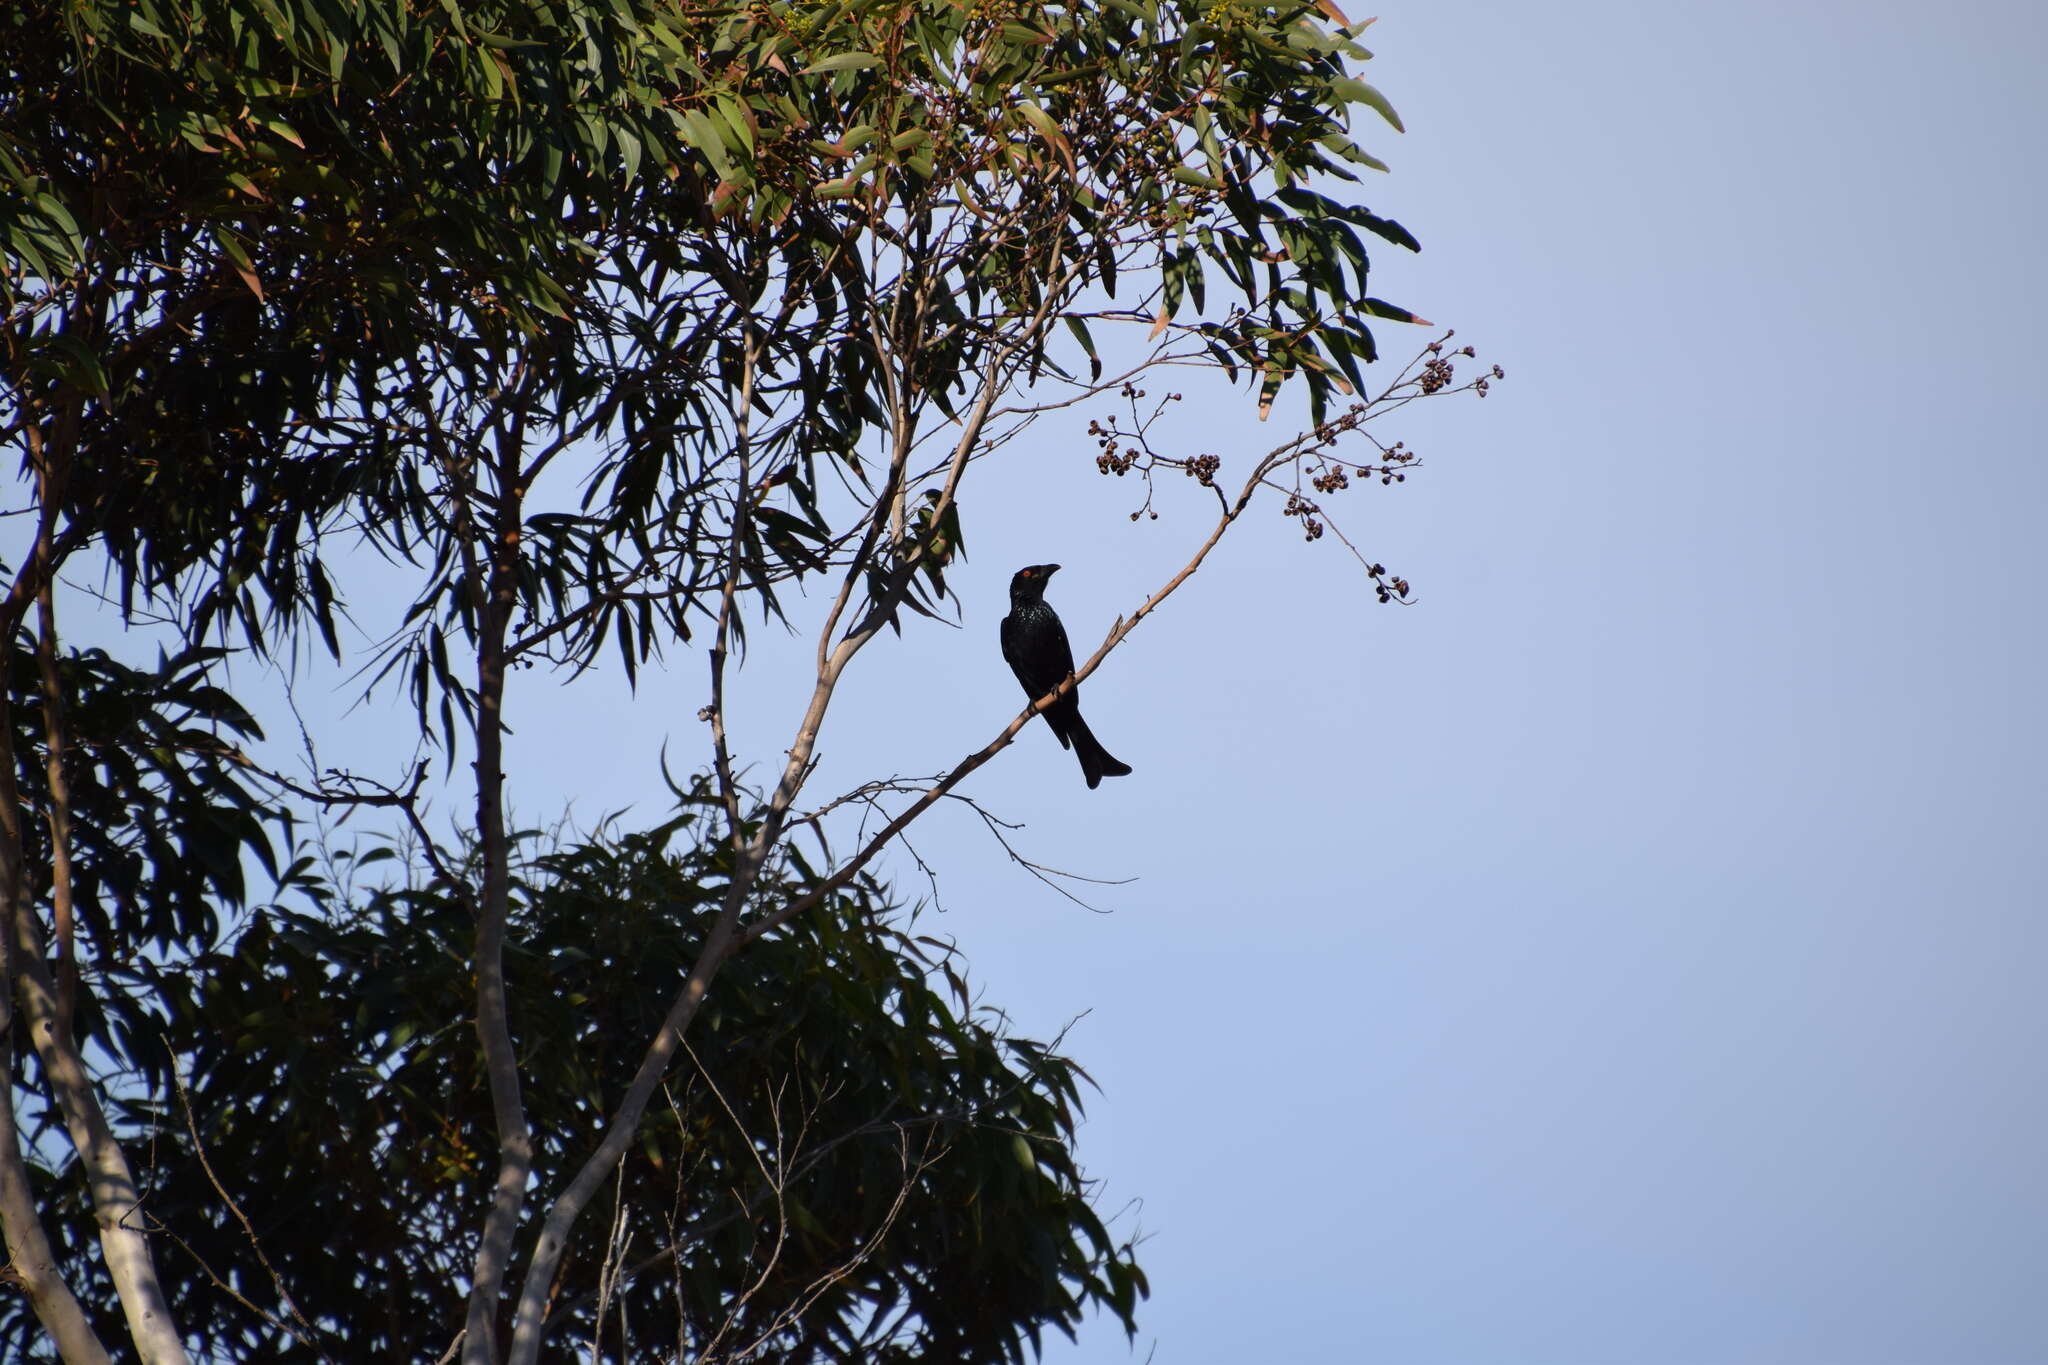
(623, 327)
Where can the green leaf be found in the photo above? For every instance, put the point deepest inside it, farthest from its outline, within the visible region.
(1350, 151)
(1358, 92)
(1049, 130)
(1024, 33)
(53, 209)
(1379, 308)
(1080, 330)
(843, 61)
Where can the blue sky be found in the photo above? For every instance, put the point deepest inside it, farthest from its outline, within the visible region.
(1633, 951)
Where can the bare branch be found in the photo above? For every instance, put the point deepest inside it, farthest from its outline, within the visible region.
(31, 1264)
(116, 1197)
(723, 938)
(944, 786)
(869, 1246)
(728, 789)
(299, 1327)
(116, 1202)
(501, 1061)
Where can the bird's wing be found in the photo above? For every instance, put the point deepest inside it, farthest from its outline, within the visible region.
(1037, 651)
(1063, 650)
(1013, 652)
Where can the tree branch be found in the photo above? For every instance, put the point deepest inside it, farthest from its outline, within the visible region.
(501, 1060)
(116, 1200)
(724, 939)
(30, 1261)
(300, 1328)
(944, 786)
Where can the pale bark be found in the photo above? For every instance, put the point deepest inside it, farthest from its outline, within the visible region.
(29, 1256)
(116, 1198)
(725, 938)
(493, 1019)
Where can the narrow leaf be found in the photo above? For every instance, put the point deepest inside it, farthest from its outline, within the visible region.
(843, 61)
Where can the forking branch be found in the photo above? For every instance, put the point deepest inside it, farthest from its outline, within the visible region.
(887, 578)
(1287, 453)
(835, 651)
(746, 266)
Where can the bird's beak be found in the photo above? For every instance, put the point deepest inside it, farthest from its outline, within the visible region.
(1051, 569)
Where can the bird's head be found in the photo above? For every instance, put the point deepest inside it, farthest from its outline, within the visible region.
(1029, 583)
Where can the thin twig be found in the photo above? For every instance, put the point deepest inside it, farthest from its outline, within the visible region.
(303, 1330)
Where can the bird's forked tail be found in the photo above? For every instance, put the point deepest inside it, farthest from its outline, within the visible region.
(1096, 761)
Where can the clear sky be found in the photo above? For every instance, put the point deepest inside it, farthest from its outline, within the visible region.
(1634, 952)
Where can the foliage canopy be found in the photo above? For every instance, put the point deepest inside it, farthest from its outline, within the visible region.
(618, 327)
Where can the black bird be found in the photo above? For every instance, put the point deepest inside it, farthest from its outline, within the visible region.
(1035, 643)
